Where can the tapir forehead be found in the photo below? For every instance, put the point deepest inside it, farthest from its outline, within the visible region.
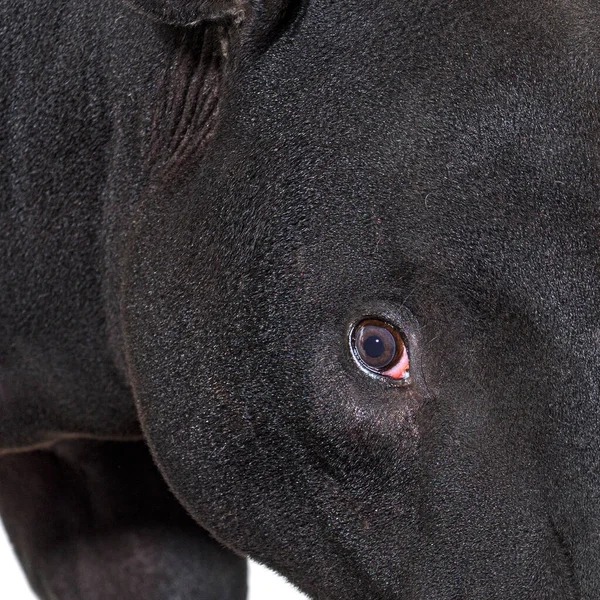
(363, 144)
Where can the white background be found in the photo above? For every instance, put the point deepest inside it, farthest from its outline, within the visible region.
(264, 584)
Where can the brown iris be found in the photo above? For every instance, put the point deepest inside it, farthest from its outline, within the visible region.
(377, 345)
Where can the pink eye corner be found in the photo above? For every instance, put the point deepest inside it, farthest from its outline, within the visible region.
(379, 348)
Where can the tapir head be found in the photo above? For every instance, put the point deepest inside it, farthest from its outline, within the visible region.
(360, 300)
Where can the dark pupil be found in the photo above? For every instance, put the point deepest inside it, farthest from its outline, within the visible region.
(374, 346)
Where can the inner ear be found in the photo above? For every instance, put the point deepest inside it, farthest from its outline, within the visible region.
(187, 13)
(189, 96)
(205, 38)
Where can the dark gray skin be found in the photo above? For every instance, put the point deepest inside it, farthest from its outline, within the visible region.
(203, 199)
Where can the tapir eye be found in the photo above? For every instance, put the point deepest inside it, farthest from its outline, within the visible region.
(378, 347)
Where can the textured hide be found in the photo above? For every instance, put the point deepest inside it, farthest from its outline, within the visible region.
(201, 199)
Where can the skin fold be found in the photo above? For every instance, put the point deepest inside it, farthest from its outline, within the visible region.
(200, 202)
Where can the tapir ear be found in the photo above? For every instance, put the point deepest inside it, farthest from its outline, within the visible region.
(205, 39)
(186, 13)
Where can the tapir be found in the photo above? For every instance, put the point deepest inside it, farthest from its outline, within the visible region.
(306, 281)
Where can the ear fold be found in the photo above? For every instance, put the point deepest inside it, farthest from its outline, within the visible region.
(206, 36)
(186, 13)
(188, 98)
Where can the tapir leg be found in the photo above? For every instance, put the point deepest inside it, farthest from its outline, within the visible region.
(94, 520)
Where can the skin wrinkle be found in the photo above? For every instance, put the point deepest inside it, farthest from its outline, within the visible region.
(203, 197)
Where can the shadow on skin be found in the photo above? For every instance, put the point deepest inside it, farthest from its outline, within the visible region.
(106, 526)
